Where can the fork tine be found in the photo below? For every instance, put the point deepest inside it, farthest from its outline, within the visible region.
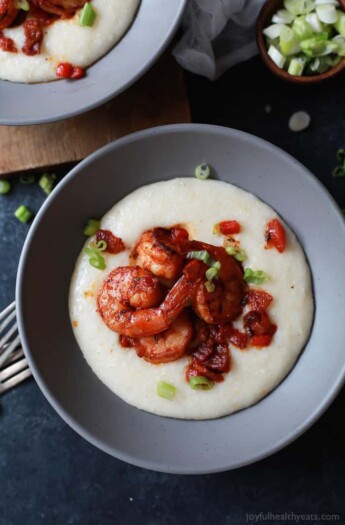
(8, 335)
(9, 350)
(7, 320)
(17, 354)
(13, 369)
(15, 380)
(7, 309)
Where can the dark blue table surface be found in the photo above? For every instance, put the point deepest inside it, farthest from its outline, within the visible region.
(50, 475)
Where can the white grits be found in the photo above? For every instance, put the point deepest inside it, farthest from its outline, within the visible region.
(66, 41)
(255, 372)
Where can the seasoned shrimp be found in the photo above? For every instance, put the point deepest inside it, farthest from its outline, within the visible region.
(8, 12)
(129, 299)
(225, 302)
(157, 252)
(167, 346)
(64, 8)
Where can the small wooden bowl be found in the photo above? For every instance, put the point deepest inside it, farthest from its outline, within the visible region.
(264, 19)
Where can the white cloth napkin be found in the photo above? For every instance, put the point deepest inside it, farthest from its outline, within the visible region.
(217, 35)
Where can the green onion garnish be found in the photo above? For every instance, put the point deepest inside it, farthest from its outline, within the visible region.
(23, 214)
(203, 256)
(338, 172)
(87, 16)
(27, 179)
(46, 182)
(23, 4)
(202, 172)
(341, 155)
(210, 287)
(92, 226)
(200, 383)
(5, 187)
(255, 276)
(166, 390)
(94, 252)
(212, 273)
(237, 253)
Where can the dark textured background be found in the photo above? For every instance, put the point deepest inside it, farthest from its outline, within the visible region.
(50, 475)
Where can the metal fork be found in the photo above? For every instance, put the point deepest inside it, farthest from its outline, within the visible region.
(13, 365)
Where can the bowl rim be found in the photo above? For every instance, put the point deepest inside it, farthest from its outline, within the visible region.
(281, 73)
(147, 64)
(63, 413)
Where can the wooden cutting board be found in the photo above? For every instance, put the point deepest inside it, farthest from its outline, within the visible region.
(158, 98)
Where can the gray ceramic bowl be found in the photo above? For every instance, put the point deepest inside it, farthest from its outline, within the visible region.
(46, 266)
(150, 33)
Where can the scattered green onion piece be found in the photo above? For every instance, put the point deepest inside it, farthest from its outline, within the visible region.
(27, 179)
(238, 253)
(276, 56)
(299, 121)
(338, 172)
(92, 226)
(255, 276)
(166, 390)
(297, 66)
(327, 13)
(5, 187)
(95, 258)
(341, 155)
(202, 172)
(203, 256)
(23, 5)
(87, 16)
(289, 44)
(23, 214)
(46, 182)
(212, 273)
(200, 383)
(210, 287)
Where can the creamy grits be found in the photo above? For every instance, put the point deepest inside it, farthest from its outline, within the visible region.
(66, 41)
(197, 205)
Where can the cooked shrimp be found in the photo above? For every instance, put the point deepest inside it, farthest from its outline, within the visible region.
(8, 12)
(157, 252)
(63, 8)
(169, 345)
(129, 299)
(224, 303)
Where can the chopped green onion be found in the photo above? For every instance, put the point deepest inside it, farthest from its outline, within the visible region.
(46, 182)
(210, 287)
(340, 41)
(23, 214)
(255, 276)
(276, 56)
(338, 172)
(289, 43)
(203, 256)
(94, 252)
(200, 383)
(87, 16)
(166, 390)
(238, 253)
(212, 273)
(272, 32)
(23, 4)
(92, 226)
(339, 25)
(327, 13)
(27, 179)
(297, 66)
(202, 172)
(341, 155)
(301, 28)
(282, 16)
(299, 121)
(318, 45)
(299, 7)
(5, 187)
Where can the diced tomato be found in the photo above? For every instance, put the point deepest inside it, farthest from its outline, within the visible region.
(229, 227)
(198, 369)
(7, 44)
(257, 322)
(258, 299)
(33, 37)
(114, 244)
(261, 340)
(78, 72)
(275, 235)
(238, 338)
(178, 233)
(64, 70)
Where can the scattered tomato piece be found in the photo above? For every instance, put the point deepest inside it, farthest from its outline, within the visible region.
(77, 72)
(114, 244)
(228, 227)
(275, 235)
(261, 340)
(179, 234)
(258, 299)
(66, 70)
